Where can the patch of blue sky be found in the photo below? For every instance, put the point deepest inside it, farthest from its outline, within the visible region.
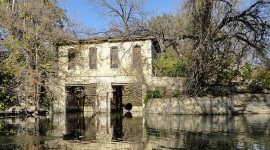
(84, 14)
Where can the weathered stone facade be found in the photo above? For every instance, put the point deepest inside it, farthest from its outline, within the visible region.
(105, 62)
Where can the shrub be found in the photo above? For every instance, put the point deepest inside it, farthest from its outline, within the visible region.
(260, 81)
(170, 67)
(152, 94)
(226, 76)
(246, 71)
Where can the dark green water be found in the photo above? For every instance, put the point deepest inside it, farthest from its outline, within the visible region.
(136, 131)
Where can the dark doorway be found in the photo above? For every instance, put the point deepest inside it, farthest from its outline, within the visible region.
(75, 98)
(116, 104)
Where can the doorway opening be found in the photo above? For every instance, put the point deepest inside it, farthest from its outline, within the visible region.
(75, 98)
(116, 104)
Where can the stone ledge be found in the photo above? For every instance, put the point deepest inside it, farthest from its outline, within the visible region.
(232, 104)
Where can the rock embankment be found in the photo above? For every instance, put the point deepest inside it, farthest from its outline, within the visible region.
(233, 104)
(23, 110)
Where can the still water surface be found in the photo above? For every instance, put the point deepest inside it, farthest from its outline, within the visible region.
(135, 131)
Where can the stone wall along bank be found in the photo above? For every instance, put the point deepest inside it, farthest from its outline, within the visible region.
(233, 104)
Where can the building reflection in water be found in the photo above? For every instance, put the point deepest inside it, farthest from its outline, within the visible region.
(117, 124)
(86, 126)
(135, 131)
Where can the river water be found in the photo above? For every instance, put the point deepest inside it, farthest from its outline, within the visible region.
(135, 131)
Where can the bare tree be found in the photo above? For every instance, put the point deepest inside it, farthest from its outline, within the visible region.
(126, 16)
(222, 36)
(216, 37)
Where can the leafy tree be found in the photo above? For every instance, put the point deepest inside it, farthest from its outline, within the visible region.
(222, 36)
(167, 28)
(172, 60)
(8, 83)
(214, 38)
(170, 67)
(29, 33)
(260, 80)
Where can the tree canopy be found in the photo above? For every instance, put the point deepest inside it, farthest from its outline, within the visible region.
(29, 32)
(216, 38)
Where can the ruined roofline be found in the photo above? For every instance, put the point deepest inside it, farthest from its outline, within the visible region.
(97, 40)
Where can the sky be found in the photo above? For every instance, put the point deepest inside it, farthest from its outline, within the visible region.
(82, 12)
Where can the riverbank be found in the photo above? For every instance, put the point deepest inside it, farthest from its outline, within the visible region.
(232, 104)
(23, 111)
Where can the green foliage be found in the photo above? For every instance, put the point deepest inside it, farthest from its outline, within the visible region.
(170, 67)
(46, 102)
(152, 94)
(29, 34)
(258, 77)
(260, 80)
(7, 129)
(226, 76)
(7, 84)
(246, 71)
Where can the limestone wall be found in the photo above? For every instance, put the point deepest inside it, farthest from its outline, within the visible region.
(132, 93)
(168, 82)
(167, 86)
(233, 104)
